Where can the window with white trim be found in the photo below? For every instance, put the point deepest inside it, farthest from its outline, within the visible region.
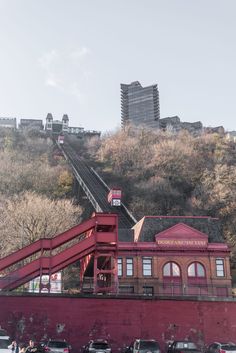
(171, 269)
(220, 269)
(129, 267)
(147, 266)
(119, 266)
(196, 270)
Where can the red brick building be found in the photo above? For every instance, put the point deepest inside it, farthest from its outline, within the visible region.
(174, 256)
(159, 256)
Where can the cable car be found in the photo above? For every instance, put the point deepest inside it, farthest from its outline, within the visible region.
(114, 197)
(60, 139)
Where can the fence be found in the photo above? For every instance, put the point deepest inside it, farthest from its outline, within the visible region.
(143, 288)
(135, 288)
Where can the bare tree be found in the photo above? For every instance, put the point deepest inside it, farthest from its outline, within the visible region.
(28, 217)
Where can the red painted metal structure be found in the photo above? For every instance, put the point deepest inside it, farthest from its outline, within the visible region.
(60, 139)
(118, 319)
(114, 197)
(97, 236)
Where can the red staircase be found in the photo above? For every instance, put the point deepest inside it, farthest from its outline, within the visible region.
(100, 236)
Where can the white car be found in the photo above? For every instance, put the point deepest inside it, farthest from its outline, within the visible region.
(4, 344)
(143, 346)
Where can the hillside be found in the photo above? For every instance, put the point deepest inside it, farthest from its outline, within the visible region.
(160, 174)
(35, 190)
(170, 174)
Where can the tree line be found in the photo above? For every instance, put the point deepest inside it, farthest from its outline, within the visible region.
(171, 174)
(36, 198)
(160, 173)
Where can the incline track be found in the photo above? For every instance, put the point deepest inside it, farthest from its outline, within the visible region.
(95, 188)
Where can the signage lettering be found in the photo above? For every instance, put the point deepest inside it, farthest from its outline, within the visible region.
(181, 242)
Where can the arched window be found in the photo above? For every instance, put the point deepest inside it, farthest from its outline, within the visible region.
(197, 281)
(171, 269)
(172, 281)
(196, 270)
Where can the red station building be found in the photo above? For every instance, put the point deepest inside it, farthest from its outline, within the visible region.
(163, 256)
(159, 256)
(167, 277)
(174, 256)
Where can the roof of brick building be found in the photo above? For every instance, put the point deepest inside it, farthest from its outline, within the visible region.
(146, 229)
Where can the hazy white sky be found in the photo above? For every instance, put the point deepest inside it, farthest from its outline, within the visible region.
(70, 56)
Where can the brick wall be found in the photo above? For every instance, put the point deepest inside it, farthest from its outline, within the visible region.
(183, 261)
(79, 319)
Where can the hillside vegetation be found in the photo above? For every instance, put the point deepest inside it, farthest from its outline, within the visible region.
(160, 174)
(169, 174)
(35, 190)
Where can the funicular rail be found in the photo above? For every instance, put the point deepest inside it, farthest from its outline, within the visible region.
(95, 188)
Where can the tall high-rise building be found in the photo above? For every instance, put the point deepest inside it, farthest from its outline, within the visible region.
(139, 105)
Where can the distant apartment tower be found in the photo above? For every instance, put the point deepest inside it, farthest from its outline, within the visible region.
(139, 105)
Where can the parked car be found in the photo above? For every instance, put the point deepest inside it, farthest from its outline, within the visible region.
(3, 332)
(219, 347)
(56, 346)
(183, 347)
(41, 346)
(4, 344)
(143, 346)
(97, 346)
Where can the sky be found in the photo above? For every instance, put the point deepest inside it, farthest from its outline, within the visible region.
(70, 56)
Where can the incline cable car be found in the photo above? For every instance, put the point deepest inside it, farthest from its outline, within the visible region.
(114, 197)
(60, 139)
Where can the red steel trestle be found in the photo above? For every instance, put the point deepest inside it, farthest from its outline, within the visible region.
(97, 238)
(105, 272)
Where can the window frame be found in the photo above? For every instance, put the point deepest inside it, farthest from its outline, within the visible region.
(126, 289)
(148, 290)
(131, 269)
(222, 265)
(149, 264)
(196, 267)
(171, 272)
(120, 266)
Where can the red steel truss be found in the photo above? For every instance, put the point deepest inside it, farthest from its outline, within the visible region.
(96, 237)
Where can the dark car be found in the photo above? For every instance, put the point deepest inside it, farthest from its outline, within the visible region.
(56, 346)
(183, 347)
(220, 347)
(41, 346)
(4, 344)
(143, 346)
(97, 346)
(3, 332)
